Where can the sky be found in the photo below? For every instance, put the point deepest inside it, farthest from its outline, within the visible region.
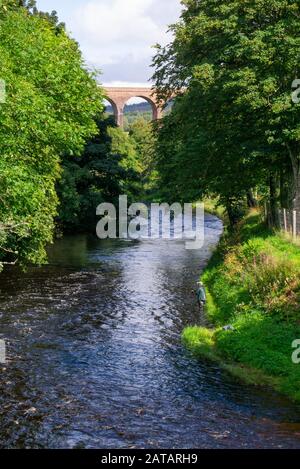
(116, 36)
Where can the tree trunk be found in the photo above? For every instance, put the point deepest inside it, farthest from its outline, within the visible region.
(251, 200)
(295, 160)
(274, 214)
(296, 201)
(283, 198)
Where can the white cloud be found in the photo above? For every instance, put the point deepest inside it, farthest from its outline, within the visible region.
(114, 34)
(127, 84)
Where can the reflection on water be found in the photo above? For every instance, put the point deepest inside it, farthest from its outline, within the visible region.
(96, 360)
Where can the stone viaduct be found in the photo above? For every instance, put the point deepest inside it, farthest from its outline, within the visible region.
(118, 98)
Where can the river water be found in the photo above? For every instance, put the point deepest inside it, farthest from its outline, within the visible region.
(95, 358)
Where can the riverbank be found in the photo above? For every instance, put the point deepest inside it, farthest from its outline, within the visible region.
(253, 284)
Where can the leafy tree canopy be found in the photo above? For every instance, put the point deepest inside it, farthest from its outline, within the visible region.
(235, 124)
(51, 102)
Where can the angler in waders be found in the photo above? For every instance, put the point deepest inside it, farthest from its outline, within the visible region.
(201, 296)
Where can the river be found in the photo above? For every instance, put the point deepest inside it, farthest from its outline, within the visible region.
(95, 358)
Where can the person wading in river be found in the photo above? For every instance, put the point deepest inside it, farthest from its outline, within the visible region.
(201, 296)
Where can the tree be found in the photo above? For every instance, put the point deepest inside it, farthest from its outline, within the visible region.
(108, 167)
(30, 6)
(236, 125)
(51, 102)
(143, 134)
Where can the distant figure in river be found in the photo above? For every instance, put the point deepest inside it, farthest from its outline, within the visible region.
(201, 295)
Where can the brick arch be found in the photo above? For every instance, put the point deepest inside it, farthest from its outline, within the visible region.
(113, 105)
(118, 97)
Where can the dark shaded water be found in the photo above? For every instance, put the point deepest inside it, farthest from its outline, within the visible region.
(96, 359)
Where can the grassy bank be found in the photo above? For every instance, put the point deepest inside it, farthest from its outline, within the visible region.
(253, 283)
(214, 208)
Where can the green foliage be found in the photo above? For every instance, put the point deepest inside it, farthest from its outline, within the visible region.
(235, 124)
(108, 167)
(260, 342)
(31, 7)
(143, 134)
(254, 284)
(49, 112)
(261, 272)
(213, 206)
(131, 117)
(199, 339)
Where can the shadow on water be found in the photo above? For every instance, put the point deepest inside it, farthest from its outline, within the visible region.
(95, 358)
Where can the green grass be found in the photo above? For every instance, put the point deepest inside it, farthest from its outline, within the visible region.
(201, 341)
(253, 283)
(211, 205)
